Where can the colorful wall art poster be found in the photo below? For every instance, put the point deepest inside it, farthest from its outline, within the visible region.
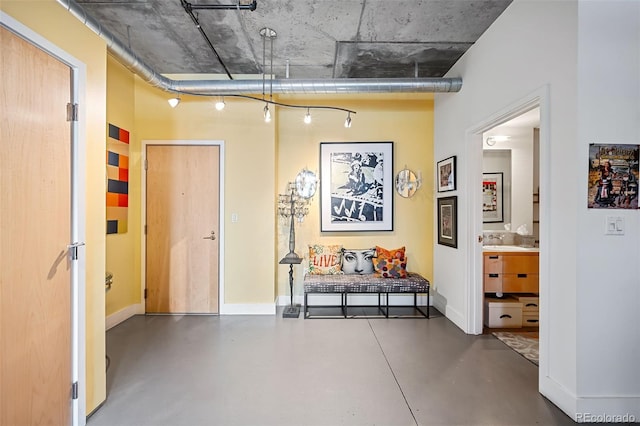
(117, 180)
(613, 176)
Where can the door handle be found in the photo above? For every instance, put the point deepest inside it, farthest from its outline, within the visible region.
(210, 237)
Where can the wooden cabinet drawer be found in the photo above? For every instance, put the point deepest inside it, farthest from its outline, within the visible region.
(500, 313)
(492, 283)
(492, 264)
(530, 319)
(520, 265)
(530, 303)
(520, 283)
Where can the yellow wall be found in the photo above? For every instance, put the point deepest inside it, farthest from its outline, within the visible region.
(249, 178)
(54, 23)
(259, 159)
(405, 119)
(123, 250)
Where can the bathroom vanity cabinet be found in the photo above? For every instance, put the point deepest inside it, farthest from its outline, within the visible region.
(511, 271)
(511, 275)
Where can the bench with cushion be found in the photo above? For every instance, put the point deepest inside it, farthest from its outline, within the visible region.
(368, 271)
(346, 284)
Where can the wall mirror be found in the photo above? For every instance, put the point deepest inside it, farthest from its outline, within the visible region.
(306, 183)
(497, 163)
(407, 182)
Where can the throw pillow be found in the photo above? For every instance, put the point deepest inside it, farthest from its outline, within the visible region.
(325, 260)
(358, 261)
(390, 267)
(395, 253)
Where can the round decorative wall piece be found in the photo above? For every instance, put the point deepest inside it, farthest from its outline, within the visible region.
(306, 183)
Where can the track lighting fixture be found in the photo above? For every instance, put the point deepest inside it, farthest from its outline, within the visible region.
(268, 35)
(220, 104)
(267, 114)
(174, 101)
(347, 122)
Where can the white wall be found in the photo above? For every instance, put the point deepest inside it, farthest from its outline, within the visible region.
(608, 272)
(532, 51)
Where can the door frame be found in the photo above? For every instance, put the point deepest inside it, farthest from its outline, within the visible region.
(78, 211)
(143, 217)
(473, 150)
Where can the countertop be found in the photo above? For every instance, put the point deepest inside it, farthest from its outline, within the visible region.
(509, 248)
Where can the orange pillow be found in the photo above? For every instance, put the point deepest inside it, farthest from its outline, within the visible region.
(390, 254)
(390, 267)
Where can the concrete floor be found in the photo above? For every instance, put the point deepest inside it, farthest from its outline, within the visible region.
(266, 370)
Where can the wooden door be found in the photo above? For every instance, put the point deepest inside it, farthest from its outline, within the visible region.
(35, 227)
(182, 226)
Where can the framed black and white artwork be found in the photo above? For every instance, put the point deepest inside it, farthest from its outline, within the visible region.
(356, 186)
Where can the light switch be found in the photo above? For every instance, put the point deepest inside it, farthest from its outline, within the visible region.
(614, 225)
(234, 217)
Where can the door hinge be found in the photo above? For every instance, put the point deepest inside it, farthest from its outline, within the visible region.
(73, 250)
(145, 229)
(146, 164)
(145, 293)
(72, 112)
(74, 390)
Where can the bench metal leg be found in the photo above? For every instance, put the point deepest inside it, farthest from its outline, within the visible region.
(380, 309)
(343, 303)
(306, 305)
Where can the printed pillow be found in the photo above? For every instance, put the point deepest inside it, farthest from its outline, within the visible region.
(390, 267)
(358, 261)
(325, 260)
(389, 254)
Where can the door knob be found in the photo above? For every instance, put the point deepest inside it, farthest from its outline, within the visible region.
(210, 237)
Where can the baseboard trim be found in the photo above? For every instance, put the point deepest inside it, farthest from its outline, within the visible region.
(454, 316)
(123, 315)
(608, 409)
(248, 309)
(286, 300)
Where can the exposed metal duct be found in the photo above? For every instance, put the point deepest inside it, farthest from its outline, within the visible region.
(283, 86)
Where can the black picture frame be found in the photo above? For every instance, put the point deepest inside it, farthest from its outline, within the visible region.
(356, 186)
(446, 178)
(492, 197)
(448, 221)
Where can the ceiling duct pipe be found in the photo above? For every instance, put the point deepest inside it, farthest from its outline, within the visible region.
(287, 86)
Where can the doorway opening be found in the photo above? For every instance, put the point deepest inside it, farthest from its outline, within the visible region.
(511, 229)
(538, 99)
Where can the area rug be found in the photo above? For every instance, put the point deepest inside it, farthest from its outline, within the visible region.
(527, 346)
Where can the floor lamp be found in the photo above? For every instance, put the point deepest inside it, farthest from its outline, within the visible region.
(295, 206)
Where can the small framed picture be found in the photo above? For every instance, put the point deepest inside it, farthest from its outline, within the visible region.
(448, 221)
(492, 194)
(446, 170)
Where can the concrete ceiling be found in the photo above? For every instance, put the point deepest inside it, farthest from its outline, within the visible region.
(320, 39)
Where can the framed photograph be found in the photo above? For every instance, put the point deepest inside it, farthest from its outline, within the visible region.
(613, 176)
(448, 221)
(356, 186)
(446, 170)
(492, 201)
